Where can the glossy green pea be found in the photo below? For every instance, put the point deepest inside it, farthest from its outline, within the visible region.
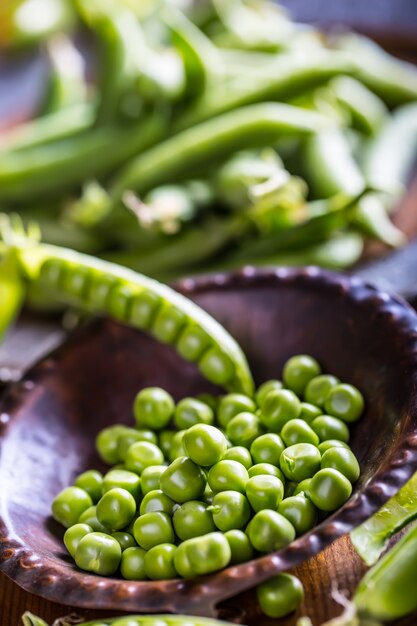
(332, 443)
(279, 596)
(73, 536)
(267, 449)
(266, 469)
(132, 435)
(150, 478)
(309, 412)
(159, 562)
(90, 517)
(204, 444)
(264, 389)
(346, 402)
(329, 489)
(123, 479)
(243, 429)
(193, 519)
(192, 342)
(177, 446)
(300, 461)
(107, 444)
(143, 308)
(165, 438)
(183, 480)
(90, 481)
(264, 492)
(168, 323)
(69, 504)
(239, 454)
(156, 500)
(143, 454)
(231, 405)
(300, 511)
(240, 546)
(116, 508)
(98, 553)
(126, 540)
(230, 510)
(298, 371)
(298, 431)
(303, 487)
(152, 529)
(153, 408)
(270, 531)
(217, 366)
(278, 408)
(342, 460)
(329, 427)
(132, 566)
(202, 555)
(190, 411)
(228, 476)
(318, 388)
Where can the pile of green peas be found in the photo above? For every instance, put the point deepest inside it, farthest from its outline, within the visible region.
(214, 481)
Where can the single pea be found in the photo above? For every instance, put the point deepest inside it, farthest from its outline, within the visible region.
(183, 480)
(264, 492)
(281, 595)
(150, 478)
(116, 508)
(132, 566)
(73, 536)
(143, 454)
(202, 555)
(159, 562)
(168, 324)
(239, 454)
(300, 461)
(266, 469)
(243, 429)
(91, 481)
(192, 342)
(132, 435)
(264, 389)
(230, 510)
(332, 443)
(217, 366)
(143, 308)
(123, 479)
(346, 402)
(165, 438)
(298, 371)
(342, 460)
(126, 540)
(267, 449)
(300, 511)
(153, 408)
(228, 476)
(309, 412)
(69, 504)
(278, 408)
(298, 431)
(90, 517)
(98, 553)
(204, 444)
(177, 446)
(240, 546)
(318, 388)
(270, 531)
(192, 519)
(152, 529)
(231, 405)
(190, 411)
(107, 444)
(303, 487)
(156, 500)
(329, 427)
(119, 300)
(329, 489)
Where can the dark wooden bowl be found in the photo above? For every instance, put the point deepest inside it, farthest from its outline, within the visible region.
(49, 420)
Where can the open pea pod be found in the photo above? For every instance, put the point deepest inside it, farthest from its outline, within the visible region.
(132, 620)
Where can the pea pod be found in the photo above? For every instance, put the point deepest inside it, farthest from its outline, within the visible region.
(368, 112)
(12, 290)
(138, 620)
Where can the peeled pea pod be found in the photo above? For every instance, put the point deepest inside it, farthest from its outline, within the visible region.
(137, 620)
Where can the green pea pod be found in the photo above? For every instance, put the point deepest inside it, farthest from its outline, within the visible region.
(140, 620)
(29, 619)
(368, 112)
(12, 290)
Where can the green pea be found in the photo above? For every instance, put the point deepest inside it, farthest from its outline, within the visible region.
(329, 489)
(264, 389)
(278, 408)
(300, 461)
(132, 435)
(300, 511)
(90, 517)
(107, 444)
(240, 546)
(202, 555)
(156, 500)
(143, 309)
(192, 342)
(99, 290)
(152, 529)
(153, 408)
(183, 480)
(177, 446)
(318, 389)
(98, 553)
(190, 411)
(279, 596)
(132, 566)
(228, 476)
(298, 371)
(231, 405)
(150, 478)
(165, 441)
(239, 454)
(267, 449)
(309, 412)
(91, 481)
(168, 323)
(119, 301)
(116, 508)
(217, 366)
(332, 443)
(73, 536)
(126, 540)
(298, 431)
(69, 504)
(75, 280)
(329, 427)
(192, 519)
(159, 562)
(266, 469)
(342, 460)
(143, 454)
(346, 402)
(230, 510)
(303, 487)
(204, 444)
(270, 531)
(243, 429)
(264, 492)
(123, 479)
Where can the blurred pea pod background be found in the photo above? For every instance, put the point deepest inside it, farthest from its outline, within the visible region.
(179, 137)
